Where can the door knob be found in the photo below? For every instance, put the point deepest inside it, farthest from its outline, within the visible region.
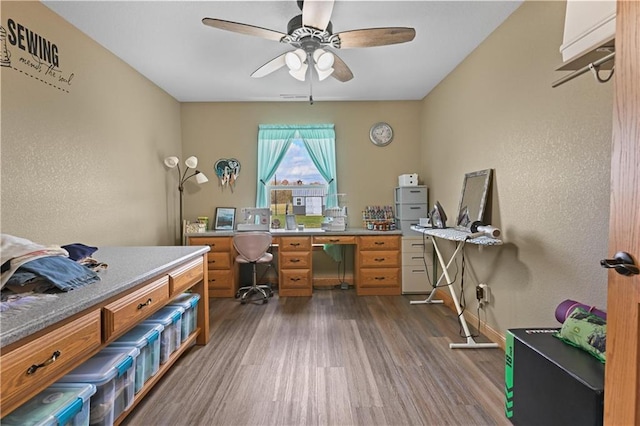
(622, 262)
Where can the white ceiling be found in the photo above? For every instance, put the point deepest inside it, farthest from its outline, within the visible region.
(167, 42)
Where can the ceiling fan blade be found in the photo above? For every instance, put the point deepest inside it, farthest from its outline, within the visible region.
(371, 37)
(341, 71)
(271, 66)
(317, 13)
(243, 28)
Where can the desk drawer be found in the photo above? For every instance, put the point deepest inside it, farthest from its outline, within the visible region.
(380, 242)
(295, 279)
(380, 277)
(122, 314)
(295, 260)
(219, 244)
(335, 239)
(220, 280)
(186, 276)
(218, 260)
(416, 245)
(295, 243)
(75, 342)
(411, 211)
(379, 259)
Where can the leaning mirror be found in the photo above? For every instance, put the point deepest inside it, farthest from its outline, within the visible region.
(475, 190)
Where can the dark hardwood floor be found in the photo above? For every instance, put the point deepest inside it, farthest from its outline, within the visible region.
(332, 359)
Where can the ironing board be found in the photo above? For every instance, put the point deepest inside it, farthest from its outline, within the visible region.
(461, 238)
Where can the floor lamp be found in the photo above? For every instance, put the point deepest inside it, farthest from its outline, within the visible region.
(191, 163)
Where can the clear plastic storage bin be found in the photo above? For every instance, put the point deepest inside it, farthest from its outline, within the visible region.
(170, 338)
(145, 337)
(189, 301)
(112, 371)
(59, 404)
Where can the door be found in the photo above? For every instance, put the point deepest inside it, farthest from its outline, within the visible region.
(622, 381)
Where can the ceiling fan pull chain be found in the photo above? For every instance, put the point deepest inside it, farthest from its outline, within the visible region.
(310, 62)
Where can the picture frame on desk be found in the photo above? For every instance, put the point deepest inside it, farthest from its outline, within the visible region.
(225, 219)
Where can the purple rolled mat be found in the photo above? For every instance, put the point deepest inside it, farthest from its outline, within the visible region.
(565, 308)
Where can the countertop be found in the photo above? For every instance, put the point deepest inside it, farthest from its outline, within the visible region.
(127, 267)
(305, 232)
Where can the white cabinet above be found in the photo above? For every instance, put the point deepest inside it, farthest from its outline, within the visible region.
(589, 32)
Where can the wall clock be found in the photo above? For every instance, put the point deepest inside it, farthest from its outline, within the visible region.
(381, 134)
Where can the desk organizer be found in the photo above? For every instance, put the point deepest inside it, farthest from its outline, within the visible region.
(170, 317)
(146, 338)
(189, 302)
(112, 371)
(378, 218)
(59, 404)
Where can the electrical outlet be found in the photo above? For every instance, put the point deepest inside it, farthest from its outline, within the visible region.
(482, 294)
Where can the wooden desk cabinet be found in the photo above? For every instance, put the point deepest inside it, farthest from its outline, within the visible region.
(31, 364)
(378, 265)
(294, 260)
(223, 271)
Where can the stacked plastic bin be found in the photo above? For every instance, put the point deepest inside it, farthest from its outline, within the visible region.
(170, 317)
(112, 372)
(146, 338)
(189, 302)
(59, 404)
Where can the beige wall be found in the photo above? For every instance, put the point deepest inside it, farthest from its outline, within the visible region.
(83, 166)
(366, 173)
(550, 151)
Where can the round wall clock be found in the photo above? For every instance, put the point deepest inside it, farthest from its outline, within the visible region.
(381, 134)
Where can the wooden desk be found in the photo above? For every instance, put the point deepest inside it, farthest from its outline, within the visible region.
(377, 262)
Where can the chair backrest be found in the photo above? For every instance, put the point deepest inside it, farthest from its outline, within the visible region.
(252, 245)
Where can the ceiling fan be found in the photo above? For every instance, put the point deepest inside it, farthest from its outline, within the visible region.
(311, 35)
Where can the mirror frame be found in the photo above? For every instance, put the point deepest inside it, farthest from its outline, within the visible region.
(487, 173)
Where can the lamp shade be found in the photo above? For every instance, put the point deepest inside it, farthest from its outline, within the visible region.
(191, 162)
(171, 162)
(322, 74)
(201, 178)
(323, 59)
(295, 59)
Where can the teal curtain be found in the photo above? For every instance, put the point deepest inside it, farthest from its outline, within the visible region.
(273, 143)
(321, 145)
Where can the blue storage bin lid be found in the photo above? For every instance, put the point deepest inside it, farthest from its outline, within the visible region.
(167, 315)
(55, 405)
(110, 362)
(140, 336)
(186, 300)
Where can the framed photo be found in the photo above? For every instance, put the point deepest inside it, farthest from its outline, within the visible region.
(225, 219)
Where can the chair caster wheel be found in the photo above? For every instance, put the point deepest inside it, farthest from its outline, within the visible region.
(243, 302)
(265, 301)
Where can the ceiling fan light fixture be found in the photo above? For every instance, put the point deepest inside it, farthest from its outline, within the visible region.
(295, 59)
(323, 59)
(300, 73)
(322, 74)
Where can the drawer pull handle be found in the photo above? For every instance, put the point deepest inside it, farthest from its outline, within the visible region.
(379, 259)
(379, 278)
(337, 240)
(147, 303)
(35, 367)
(295, 279)
(294, 244)
(295, 260)
(379, 243)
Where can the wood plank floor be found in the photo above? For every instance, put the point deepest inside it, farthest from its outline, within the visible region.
(331, 359)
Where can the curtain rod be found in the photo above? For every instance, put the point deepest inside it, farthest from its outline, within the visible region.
(593, 65)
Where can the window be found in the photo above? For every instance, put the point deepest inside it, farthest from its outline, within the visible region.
(296, 171)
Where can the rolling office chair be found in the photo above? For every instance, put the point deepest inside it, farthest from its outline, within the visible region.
(252, 248)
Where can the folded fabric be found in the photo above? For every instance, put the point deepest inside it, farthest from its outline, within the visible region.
(15, 251)
(79, 251)
(63, 272)
(23, 281)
